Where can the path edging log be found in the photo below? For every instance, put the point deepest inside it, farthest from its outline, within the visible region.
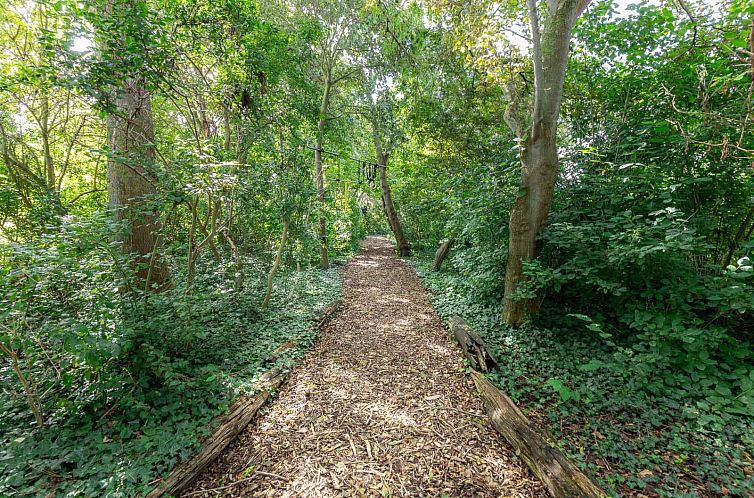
(560, 476)
(478, 354)
(231, 424)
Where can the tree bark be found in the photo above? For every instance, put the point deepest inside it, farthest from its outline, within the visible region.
(476, 351)
(49, 163)
(403, 247)
(319, 174)
(442, 253)
(237, 261)
(131, 179)
(560, 476)
(539, 155)
(275, 265)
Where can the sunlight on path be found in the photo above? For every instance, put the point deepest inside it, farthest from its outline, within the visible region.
(381, 406)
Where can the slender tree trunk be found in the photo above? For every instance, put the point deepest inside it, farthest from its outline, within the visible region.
(131, 182)
(735, 242)
(44, 121)
(320, 175)
(539, 154)
(275, 264)
(237, 262)
(49, 162)
(403, 247)
(226, 127)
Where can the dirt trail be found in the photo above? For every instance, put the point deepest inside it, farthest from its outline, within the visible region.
(380, 406)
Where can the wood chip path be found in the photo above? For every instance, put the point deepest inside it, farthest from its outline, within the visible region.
(381, 406)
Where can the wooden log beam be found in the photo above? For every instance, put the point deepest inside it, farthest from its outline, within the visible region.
(478, 354)
(560, 476)
(231, 424)
(327, 313)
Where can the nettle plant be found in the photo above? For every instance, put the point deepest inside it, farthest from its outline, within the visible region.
(669, 322)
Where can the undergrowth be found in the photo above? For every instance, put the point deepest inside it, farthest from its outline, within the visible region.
(634, 439)
(128, 388)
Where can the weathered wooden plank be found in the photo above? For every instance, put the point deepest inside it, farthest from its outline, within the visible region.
(478, 354)
(560, 476)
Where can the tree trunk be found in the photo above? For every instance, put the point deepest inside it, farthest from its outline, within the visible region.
(474, 349)
(275, 265)
(237, 262)
(403, 247)
(131, 182)
(226, 127)
(539, 155)
(539, 164)
(319, 174)
(44, 124)
(442, 253)
(49, 162)
(735, 242)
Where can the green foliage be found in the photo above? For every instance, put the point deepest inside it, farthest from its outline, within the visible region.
(641, 360)
(674, 440)
(128, 384)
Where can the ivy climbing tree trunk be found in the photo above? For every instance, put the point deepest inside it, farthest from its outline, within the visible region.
(537, 129)
(131, 180)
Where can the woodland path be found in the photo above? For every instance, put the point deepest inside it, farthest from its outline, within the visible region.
(380, 406)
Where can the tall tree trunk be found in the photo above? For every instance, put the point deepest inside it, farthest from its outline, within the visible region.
(275, 265)
(44, 123)
(539, 164)
(404, 248)
(539, 154)
(226, 127)
(131, 181)
(49, 163)
(320, 175)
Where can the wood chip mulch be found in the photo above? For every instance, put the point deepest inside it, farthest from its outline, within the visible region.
(381, 406)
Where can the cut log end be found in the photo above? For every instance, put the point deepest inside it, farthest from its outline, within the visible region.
(442, 253)
(474, 349)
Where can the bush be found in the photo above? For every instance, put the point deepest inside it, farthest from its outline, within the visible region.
(596, 395)
(123, 384)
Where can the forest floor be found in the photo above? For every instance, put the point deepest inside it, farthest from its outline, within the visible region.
(381, 406)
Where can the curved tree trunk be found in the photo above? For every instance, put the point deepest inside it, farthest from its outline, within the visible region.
(404, 248)
(442, 253)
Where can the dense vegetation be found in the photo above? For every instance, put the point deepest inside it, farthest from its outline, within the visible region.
(179, 180)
